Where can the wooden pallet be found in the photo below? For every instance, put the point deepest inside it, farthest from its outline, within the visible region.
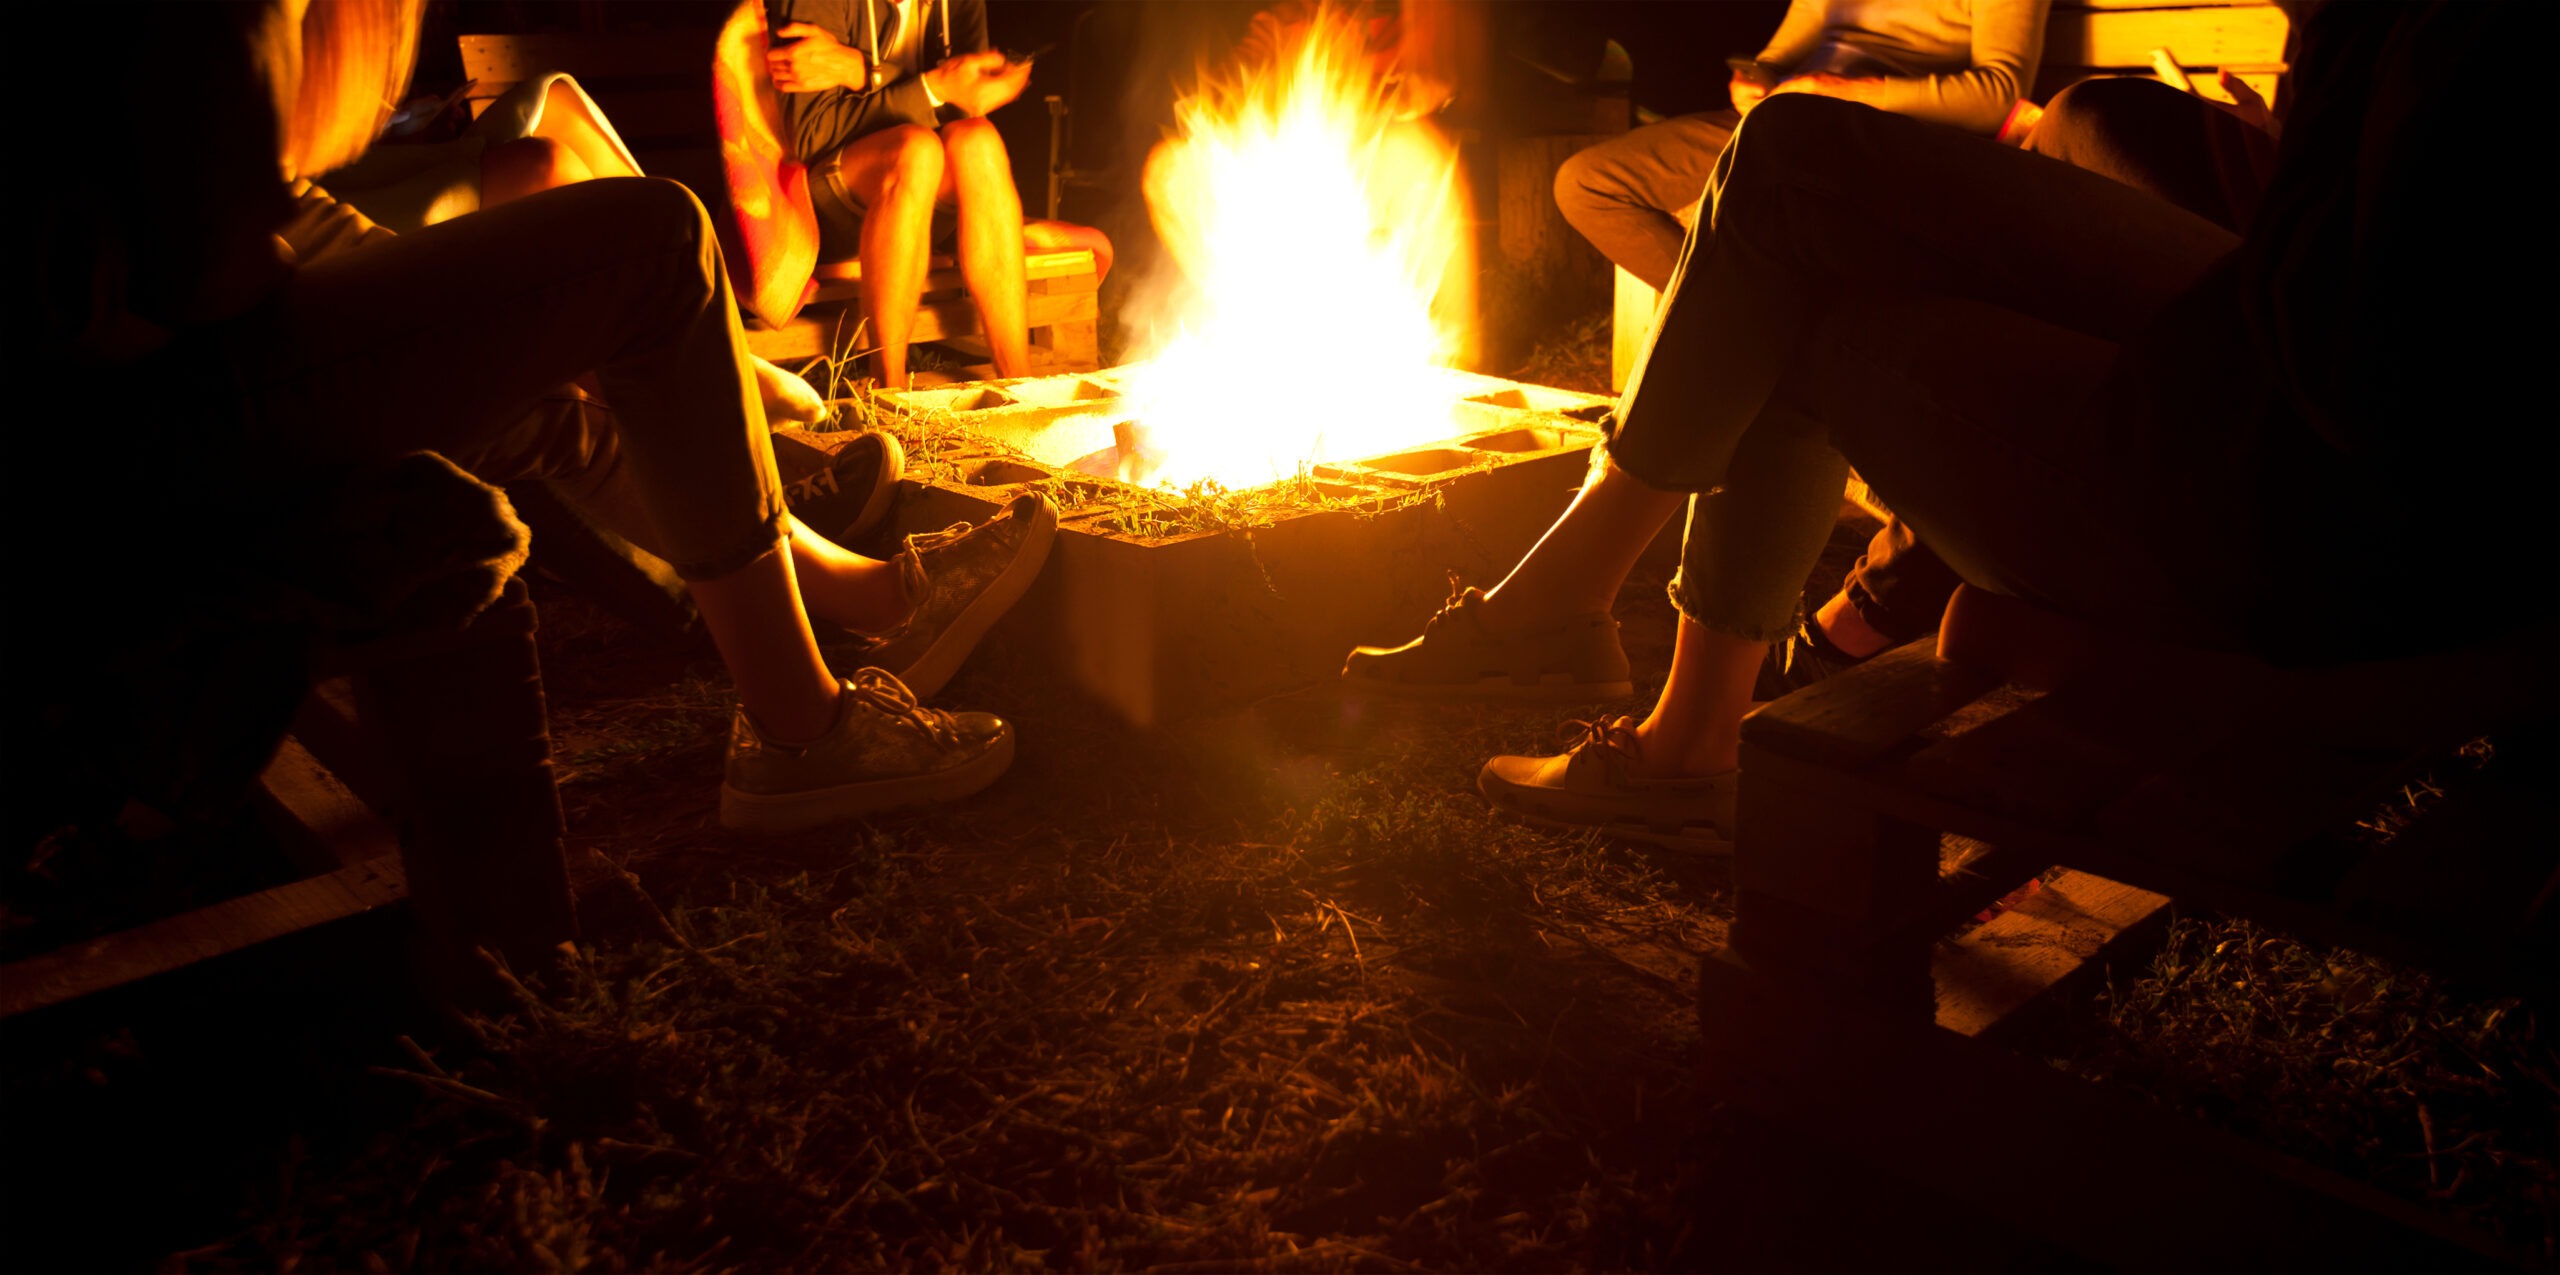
(2151, 774)
(1063, 313)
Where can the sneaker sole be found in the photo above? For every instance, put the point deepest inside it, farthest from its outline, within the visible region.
(875, 508)
(800, 811)
(1491, 690)
(931, 670)
(1696, 839)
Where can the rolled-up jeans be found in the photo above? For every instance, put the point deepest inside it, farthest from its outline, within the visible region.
(2013, 277)
(459, 339)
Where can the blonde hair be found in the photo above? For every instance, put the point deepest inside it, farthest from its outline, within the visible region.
(356, 59)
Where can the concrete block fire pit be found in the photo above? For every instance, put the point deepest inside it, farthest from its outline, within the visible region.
(1159, 609)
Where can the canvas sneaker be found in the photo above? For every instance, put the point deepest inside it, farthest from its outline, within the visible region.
(1457, 659)
(1592, 785)
(970, 576)
(840, 484)
(884, 752)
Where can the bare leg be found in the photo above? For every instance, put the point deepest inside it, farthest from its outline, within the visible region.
(1849, 630)
(893, 175)
(571, 120)
(844, 588)
(512, 170)
(979, 178)
(1696, 727)
(1578, 566)
(755, 619)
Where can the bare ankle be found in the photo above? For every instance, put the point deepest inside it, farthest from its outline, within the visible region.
(1848, 630)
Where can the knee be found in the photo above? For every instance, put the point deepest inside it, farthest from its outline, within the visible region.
(1574, 188)
(2103, 108)
(526, 165)
(915, 160)
(976, 149)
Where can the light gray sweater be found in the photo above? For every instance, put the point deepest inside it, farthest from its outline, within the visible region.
(1957, 62)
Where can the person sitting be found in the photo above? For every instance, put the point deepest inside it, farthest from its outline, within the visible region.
(541, 134)
(886, 102)
(344, 365)
(2297, 443)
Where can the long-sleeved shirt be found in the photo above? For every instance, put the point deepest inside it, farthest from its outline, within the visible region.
(822, 122)
(1957, 62)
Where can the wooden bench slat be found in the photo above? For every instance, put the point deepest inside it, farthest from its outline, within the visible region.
(1854, 718)
(173, 943)
(597, 55)
(2215, 36)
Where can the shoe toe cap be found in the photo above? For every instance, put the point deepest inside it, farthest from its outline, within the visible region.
(981, 728)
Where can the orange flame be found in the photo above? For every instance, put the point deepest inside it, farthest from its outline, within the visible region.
(1317, 230)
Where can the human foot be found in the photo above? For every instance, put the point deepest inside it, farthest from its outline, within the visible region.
(1459, 658)
(788, 400)
(883, 752)
(1599, 782)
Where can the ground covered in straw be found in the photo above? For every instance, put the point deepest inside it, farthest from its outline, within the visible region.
(1269, 989)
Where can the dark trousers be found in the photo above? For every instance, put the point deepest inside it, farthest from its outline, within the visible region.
(1948, 313)
(2150, 137)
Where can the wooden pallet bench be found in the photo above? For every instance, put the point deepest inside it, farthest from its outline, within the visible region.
(1064, 311)
(1883, 806)
(470, 847)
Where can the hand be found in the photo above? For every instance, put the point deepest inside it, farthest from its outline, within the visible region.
(814, 61)
(2245, 103)
(978, 83)
(1825, 84)
(1746, 93)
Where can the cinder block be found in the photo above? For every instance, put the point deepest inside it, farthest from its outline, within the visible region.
(1158, 628)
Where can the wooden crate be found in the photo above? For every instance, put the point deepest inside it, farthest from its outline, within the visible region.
(1841, 1006)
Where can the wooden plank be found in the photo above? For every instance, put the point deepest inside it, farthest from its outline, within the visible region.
(321, 823)
(2023, 954)
(812, 335)
(2104, 1174)
(1036, 266)
(597, 56)
(1853, 718)
(2219, 35)
(83, 969)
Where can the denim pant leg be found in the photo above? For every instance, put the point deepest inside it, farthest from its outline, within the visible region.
(444, 340)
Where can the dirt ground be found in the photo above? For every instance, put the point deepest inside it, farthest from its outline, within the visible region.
(1270, 989)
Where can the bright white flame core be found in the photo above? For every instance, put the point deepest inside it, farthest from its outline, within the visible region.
(1316, 231)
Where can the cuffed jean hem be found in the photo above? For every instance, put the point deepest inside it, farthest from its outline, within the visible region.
(1690, 609)
(773, 533)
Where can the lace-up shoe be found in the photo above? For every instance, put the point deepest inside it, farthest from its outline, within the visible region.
(839, 484)
(884, 752)
(1457, 658)
(1592, 784)
(971, 575)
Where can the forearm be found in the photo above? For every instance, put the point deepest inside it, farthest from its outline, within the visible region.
(1976, 99)
(1796, 35)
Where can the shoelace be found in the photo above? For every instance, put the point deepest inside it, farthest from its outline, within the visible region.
(882, 690)
(1605, 733)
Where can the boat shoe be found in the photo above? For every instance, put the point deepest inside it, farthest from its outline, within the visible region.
(884, 751)
(1456, 658)
(840, 484)
(1592, 785)
(968, 576)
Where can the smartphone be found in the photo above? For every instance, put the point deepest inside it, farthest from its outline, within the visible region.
(1032, 56)
(1753, 71)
